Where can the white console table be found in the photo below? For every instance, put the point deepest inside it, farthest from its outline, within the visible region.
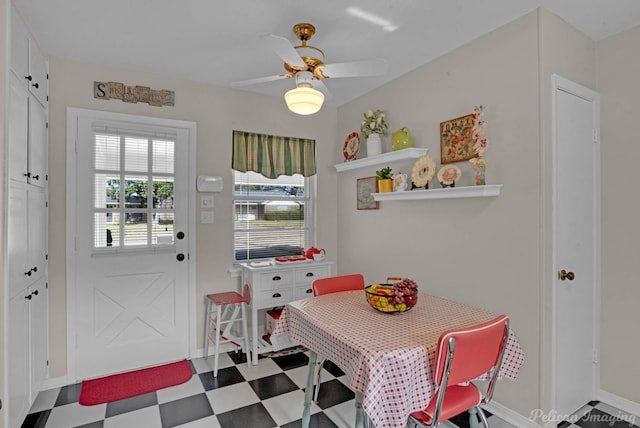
(276, 285)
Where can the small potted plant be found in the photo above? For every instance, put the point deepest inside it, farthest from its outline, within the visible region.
(385, 183)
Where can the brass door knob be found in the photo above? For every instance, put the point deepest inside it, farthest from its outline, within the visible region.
(564, 275)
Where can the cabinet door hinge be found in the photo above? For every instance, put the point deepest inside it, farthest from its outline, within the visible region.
(595, 356)
(595, 135)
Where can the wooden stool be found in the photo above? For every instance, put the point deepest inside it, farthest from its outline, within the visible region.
(231, 309)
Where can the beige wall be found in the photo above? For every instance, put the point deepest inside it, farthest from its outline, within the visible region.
(482, 251)
(217, 112)
(618, 70)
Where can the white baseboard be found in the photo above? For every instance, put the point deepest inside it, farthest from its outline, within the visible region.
(56, 382)
(511, 416)
(618, 402)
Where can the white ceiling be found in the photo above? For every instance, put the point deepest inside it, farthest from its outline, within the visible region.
(219, 42)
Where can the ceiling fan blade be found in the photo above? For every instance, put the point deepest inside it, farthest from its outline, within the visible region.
(375, 67)
(260, 80)
(285, 50)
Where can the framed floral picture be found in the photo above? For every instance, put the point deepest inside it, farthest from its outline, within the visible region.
(456, 142)
(365, 188)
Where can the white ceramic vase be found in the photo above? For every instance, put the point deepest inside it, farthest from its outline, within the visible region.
(374, 145)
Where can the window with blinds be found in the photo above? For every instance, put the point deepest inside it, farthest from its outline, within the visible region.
(133, 189)
(272, 217)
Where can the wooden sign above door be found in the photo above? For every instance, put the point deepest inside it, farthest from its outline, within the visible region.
(133, 94)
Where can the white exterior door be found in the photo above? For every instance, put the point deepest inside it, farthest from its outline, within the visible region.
(131, 231)
(577, 244)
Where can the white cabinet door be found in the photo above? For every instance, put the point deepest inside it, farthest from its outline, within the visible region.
(39, 83)
(18, 240)
(28, 62)
(37, 234)
(38, 337)
(18, 359)
(37, 147)
(19, 47)
(27, 137)
(18, 131)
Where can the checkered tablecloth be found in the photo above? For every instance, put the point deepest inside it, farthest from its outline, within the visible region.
(387, 357)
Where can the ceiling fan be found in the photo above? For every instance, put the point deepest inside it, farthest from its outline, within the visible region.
(306, 64)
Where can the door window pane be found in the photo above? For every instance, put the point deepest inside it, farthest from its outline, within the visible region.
(134, 191)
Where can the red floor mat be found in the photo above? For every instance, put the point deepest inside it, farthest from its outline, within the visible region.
(125, 385)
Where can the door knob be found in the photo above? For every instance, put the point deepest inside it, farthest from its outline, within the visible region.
(563, 275)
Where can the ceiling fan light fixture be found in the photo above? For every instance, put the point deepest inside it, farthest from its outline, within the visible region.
(304, 99)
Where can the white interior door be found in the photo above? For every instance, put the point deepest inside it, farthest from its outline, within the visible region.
(131, 233)
(577, 244)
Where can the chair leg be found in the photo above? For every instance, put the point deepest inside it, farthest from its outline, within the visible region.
(217, 341)
(485, 422)
(207, 330)
(247, 350)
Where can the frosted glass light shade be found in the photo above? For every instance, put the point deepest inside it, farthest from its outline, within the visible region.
(304, 100)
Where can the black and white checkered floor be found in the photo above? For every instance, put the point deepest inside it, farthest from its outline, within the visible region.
(268, 395)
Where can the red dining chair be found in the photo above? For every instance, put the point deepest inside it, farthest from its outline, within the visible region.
(334, 284)
(464, 355)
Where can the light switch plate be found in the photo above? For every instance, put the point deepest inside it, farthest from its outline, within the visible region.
(206, 217)
(206, 201)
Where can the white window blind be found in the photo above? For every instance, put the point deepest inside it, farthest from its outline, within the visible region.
(272, 217)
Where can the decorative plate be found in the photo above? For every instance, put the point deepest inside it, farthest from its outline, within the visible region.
(449, 174)
(351, 146)
(423, 170)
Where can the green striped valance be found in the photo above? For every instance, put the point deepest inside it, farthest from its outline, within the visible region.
(273, 156)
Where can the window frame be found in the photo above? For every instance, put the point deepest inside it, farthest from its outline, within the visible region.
(151, 136)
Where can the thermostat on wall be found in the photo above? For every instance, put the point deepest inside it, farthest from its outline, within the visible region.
(209, 184)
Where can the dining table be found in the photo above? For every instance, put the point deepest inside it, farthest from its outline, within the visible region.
(387, 357)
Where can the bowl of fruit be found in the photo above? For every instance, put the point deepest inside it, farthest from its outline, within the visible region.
(398, 297)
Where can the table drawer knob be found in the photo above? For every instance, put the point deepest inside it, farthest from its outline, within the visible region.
(276, 278)
(276, 295)
(309, 274)
(309, 291)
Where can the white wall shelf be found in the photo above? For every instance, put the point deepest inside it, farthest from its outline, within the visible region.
(441, 193)
(394, 156)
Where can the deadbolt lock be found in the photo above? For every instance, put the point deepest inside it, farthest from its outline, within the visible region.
(564, 275)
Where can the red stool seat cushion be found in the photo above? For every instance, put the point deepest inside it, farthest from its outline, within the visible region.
(227, 298)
